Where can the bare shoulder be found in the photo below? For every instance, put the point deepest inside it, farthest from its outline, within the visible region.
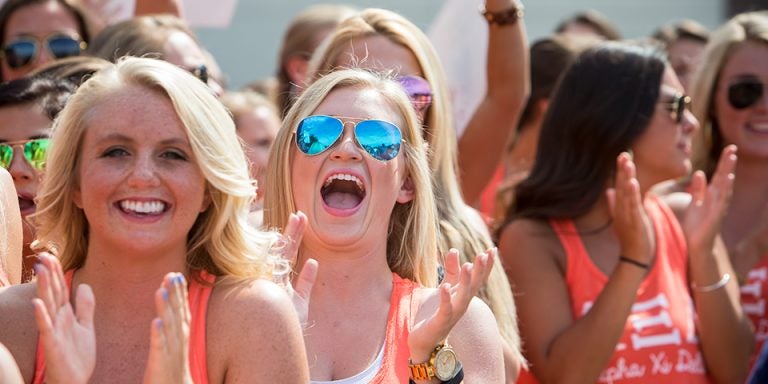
(242, 315)
(524, 241)
(17, 325)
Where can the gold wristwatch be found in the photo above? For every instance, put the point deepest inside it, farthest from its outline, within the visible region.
(443, 364)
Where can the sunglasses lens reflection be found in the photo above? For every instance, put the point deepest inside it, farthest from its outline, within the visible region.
(35, 151)
(63, 46)
(6, 155)
(744, 94)
(315, 134)
(379, 138)
(20, 53)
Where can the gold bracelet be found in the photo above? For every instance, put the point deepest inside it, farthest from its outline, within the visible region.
(508, 16)
(712, 287)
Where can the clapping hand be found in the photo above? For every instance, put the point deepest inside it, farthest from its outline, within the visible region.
(455, 293)
(701, 223)
(301, 288)
(67, 333)
(168, 360)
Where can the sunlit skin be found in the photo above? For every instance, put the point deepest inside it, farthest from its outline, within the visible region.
(663, 151)
(382, 180)
(747, 128)
(26, 21)
(22, 122)
(135, 150)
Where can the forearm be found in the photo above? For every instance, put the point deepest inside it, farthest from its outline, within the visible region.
(726, 337)
(148, 7)
(598, 331)
(494, 121)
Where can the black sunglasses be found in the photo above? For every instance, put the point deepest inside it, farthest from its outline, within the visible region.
(745, 92)
(23, 50)
(201, 72)
(678, 105)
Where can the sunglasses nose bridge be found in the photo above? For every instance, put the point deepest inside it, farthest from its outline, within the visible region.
(19, 167)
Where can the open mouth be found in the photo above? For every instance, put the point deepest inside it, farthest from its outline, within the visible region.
(343, 191)
(142, 208)
(758, 127)
(26, 205)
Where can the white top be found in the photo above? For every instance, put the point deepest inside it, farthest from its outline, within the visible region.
(363, 377)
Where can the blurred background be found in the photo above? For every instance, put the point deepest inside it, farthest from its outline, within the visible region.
(247, 48)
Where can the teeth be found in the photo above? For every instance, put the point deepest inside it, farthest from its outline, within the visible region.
(344, 176)
(146, 207)
(762, 127)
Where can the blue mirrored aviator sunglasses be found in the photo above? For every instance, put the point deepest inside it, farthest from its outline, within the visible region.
(23, 50)
(317, 133)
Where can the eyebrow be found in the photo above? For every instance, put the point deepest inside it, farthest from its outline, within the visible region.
(33, 137)
(123, 138)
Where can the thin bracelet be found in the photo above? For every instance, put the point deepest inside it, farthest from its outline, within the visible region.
(712, 287)
(635, 263)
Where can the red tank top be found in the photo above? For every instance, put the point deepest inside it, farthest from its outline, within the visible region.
(659, 343)
(402, 307)
(198, 296)
(753, 296)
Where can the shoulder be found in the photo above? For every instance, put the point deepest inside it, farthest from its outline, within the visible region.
(524, 239)
(17, 324)
(245, 314)
(256, 301)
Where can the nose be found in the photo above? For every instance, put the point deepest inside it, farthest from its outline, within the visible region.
(20, 169)
(43, 55)
(143, 173)
(347, 148)
(689, 123)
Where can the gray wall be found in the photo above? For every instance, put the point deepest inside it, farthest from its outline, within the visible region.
(247, 50)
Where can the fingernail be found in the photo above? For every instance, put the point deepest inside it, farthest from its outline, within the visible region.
(159, 324)
(165, 294)
(35, 267)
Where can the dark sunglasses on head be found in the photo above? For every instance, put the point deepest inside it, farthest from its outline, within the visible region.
(418, 90)
(678, 105)
(317, 133)
(34, 151)
(201, 72)
(23, 50)
(745, 92)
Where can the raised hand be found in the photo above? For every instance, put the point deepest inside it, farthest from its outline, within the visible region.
(67, 334)
(454, 299)
(300, 288)
(168, 360)
(629, 219)
(709, 203)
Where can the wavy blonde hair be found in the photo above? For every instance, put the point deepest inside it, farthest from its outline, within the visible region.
(412, 237)
(457, 227)
(742, 28)
(220, 241)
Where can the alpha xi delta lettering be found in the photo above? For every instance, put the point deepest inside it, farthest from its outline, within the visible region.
(659, 364)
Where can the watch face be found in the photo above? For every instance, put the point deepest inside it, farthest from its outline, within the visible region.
(445, 364)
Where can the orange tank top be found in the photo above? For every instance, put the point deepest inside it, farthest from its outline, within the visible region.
(659, 343)
(402, 308)
(753, 300)
(198, 296)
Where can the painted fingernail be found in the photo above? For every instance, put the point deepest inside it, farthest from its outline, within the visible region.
(165, 294)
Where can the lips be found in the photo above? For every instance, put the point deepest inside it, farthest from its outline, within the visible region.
(342, 193)
(27, 204)
(761, 127)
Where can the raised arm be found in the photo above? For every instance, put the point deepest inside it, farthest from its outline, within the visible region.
(11, 242)
(556, 344)
(726, 337)
(495, 119)
(148, 7)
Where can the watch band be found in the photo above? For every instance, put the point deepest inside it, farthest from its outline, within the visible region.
(455, 380)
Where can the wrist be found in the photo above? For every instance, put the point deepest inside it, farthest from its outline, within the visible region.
(508, 15)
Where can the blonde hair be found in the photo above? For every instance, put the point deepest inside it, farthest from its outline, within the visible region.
(457, 230)
(220, 242)
(412, 237)
(239, 102)
(708, 143)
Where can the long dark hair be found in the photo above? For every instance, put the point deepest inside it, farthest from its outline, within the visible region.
(603, 104)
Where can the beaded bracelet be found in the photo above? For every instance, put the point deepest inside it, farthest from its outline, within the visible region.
(506, 17)
(712, 287)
